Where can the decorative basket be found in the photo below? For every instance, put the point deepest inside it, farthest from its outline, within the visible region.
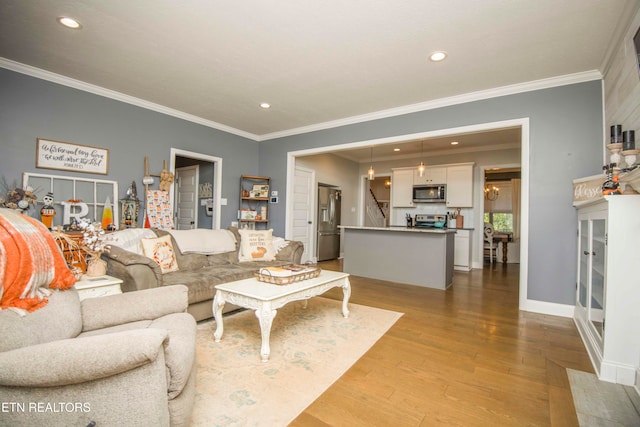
(264, 275)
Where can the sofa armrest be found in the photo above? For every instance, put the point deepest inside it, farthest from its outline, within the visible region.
(136, 271)
(79, 360)
(292, 252)
(148, 304)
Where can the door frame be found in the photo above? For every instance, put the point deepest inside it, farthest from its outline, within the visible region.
(522, 123)
(217, 179)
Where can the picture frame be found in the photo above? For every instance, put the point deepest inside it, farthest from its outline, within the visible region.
(261, 190)
(67, 156)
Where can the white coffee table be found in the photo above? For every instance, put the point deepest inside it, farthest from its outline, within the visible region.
(266, 298)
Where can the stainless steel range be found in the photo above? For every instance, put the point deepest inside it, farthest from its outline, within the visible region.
(431, 221)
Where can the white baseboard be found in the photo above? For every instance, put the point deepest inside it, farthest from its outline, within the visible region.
(542, 307)
(618, 373)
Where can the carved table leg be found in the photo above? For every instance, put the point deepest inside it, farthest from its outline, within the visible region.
(346, 290)
(218, 304)
(265, 317)
(504, 251)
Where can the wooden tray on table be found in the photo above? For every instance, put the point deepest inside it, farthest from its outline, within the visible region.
(287, 274)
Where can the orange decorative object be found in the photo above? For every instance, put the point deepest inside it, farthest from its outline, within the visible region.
(107, 214)
(29, 261)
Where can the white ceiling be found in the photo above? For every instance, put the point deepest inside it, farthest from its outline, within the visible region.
(314, 61)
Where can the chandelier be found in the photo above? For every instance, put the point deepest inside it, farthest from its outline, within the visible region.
(491, 192)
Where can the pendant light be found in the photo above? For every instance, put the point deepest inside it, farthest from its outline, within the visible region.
(371, 172)
(421, 166)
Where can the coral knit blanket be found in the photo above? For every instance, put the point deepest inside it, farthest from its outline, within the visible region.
(30, 263)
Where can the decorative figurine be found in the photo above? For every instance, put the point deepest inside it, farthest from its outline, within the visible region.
(611, 185)
(48, 211)
(166, 179)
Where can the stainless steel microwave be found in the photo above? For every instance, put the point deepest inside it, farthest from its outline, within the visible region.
(429, 193)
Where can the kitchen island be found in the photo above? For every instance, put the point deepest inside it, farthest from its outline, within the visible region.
(417, 256)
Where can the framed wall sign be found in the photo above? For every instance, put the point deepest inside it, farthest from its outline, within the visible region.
(66, 156)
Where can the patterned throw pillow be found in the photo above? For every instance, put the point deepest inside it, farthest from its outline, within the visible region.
(256, 245)
(161, 251)
(30, 262)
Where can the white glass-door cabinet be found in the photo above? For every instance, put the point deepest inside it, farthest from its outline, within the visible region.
(607, 311)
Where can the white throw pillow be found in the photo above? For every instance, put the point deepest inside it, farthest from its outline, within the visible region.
(161, 251)
(256, 245)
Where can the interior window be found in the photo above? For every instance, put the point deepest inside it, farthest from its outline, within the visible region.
(502, 221)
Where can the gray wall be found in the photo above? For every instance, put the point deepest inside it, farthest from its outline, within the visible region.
(32, 108)
(566, 139)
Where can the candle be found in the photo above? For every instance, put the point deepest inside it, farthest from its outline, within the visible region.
(616, 134)
(628, 140)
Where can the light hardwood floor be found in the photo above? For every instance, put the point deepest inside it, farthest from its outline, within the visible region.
(462, 357)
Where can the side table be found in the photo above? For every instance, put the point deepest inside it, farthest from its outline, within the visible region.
(99, 286)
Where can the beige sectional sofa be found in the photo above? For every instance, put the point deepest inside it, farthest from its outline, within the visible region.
(200, 272)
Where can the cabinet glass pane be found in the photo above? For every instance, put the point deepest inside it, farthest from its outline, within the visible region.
(584, 262)
(596, 311)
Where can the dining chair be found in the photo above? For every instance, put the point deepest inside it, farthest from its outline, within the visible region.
(490, 247)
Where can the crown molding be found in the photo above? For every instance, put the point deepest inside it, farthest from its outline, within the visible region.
(443, 102)
(392, 112)
(107, 93)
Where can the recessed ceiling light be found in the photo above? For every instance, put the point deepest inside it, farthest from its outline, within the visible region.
(438, 56)
(454, 143)
(69, 22)
(265, 105)
(396, 149)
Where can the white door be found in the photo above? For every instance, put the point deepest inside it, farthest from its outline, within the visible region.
(304, 211)
(187, 200)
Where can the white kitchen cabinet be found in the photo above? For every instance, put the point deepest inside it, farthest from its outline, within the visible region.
(432, 175)
(460, 186)
(608, 295)
(462, 250)
(402, 188)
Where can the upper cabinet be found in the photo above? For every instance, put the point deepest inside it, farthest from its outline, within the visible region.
(460, 186)
(458, 179)
(432, 175)
(402, 188)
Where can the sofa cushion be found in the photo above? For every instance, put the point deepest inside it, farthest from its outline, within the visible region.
(160, 249)
(59, 319)
(204, 241)
(129, 239)
(256, 245)
(185, 261)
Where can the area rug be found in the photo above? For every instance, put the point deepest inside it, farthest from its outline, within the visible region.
(310, 349)
(600, 403)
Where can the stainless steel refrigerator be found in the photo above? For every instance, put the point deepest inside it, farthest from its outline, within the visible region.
(328, 220)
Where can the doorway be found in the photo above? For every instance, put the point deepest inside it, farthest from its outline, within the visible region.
(377, 201)
(501, 215)
(522, 124)
(187, 180)
(208, 189)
